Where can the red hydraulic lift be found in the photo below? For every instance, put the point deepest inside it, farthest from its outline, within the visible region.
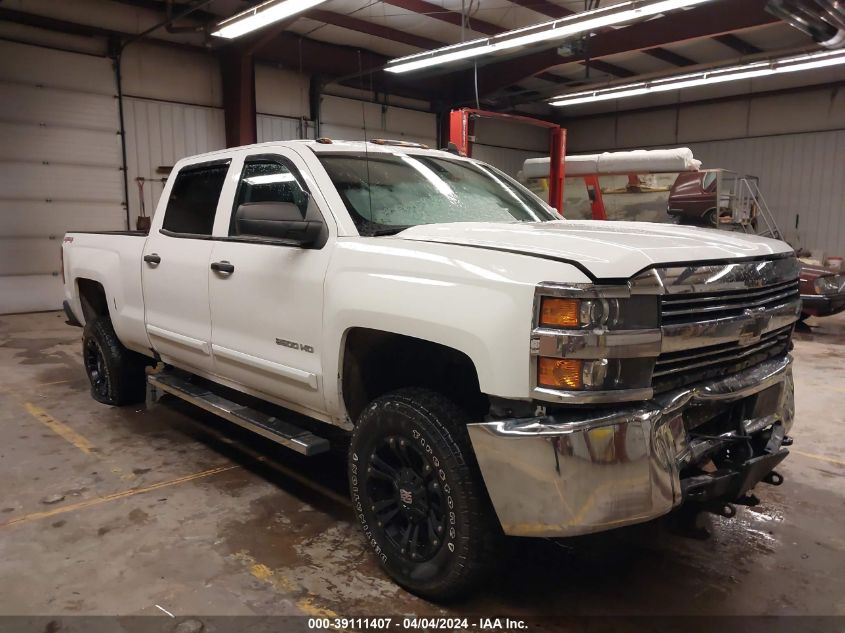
(462, 134)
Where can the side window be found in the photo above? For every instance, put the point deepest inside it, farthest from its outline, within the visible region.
(270, 181)
(193, 199)
(709, 180)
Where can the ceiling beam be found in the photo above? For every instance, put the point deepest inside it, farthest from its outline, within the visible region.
(707, 20)
(556, 12)
(608, 68)
(288, 49)
(445, 15)
(77, 28)
(555, 79)
(200, 15)
(314, 57)
(544, 7)
(665, 55)
(371, 28)
(738, 44)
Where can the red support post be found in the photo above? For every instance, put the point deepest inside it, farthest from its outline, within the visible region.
(557, 168)
(459, 130)
(461, 135)
(596, 199)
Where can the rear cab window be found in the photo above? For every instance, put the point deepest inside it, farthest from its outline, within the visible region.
(192, 204)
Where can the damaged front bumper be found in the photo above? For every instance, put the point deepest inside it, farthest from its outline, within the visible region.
(587, 471)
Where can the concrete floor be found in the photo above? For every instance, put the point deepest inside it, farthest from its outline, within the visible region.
(128, 511)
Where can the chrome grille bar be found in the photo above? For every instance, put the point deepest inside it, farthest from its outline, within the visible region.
(721, 354)
(680, 309)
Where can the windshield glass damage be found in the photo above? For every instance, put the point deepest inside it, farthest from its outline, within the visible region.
(386, 193)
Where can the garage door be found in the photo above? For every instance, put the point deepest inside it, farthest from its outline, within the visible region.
(61, 155)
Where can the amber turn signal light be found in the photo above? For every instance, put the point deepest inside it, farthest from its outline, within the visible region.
(559, 373)
(556, 312)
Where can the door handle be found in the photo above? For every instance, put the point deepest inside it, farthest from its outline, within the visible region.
(153, 259)
(223, 267)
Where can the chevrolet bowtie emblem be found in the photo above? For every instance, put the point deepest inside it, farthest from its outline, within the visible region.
(757, 322)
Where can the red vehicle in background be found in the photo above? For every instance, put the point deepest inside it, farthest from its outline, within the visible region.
(822, 291)
(694, 199)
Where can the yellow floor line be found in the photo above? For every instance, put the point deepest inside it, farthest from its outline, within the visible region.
(820, 457)
(281, 584)
(59, 428)
(35, 516)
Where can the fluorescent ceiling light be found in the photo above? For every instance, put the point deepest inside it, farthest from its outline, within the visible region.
(794, 63)
(631, 11)
(261, 15)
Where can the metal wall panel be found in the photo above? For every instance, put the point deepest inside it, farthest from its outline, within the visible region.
(152, 71)
(343, 118)
(508, 160)
(801, 177)
(508, 145)
(158, 134)
(61, 165)
(279, 128)
(811, 110)
(281, 92)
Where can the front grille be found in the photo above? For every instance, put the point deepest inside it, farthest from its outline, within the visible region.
(676, 369)
(693, 308)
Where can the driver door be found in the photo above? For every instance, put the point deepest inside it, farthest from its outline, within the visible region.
(267, 295)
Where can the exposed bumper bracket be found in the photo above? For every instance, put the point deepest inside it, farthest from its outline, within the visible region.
(593, 470)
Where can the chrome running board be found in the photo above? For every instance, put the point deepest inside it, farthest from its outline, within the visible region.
(279, 431)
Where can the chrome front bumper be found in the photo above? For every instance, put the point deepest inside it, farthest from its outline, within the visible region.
(584, 472)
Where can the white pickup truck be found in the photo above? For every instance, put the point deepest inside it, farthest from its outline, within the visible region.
(499, 370)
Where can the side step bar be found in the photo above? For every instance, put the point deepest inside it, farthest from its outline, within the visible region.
(284, 433)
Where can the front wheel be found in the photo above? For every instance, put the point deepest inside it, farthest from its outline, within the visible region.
(418, 494)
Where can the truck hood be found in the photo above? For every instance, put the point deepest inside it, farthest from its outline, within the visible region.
(608, 250)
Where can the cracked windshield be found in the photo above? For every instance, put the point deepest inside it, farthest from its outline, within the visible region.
(386, 193)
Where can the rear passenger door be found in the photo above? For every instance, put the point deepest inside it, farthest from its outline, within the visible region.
(267, 308)
(175, 268)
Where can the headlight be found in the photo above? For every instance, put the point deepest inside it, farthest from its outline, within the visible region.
(594, 343)
(828, 285)
(598, 312)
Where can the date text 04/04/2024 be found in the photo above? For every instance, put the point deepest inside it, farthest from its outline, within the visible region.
(413, 623)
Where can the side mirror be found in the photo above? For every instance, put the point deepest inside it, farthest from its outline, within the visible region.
(277, 220)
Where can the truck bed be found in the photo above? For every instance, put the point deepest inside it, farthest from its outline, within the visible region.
(112, 259)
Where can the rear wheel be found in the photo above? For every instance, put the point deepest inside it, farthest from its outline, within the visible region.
(116, 374)
(418, 494)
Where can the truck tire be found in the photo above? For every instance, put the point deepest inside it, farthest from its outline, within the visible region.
(116, 374)
(418, 494)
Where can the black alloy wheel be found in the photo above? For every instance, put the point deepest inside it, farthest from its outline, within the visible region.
(419, 496)
(407, 499)
(95, 366)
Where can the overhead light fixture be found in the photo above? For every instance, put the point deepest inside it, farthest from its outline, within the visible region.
(261, 15)
(576, 24)
(765, 68)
